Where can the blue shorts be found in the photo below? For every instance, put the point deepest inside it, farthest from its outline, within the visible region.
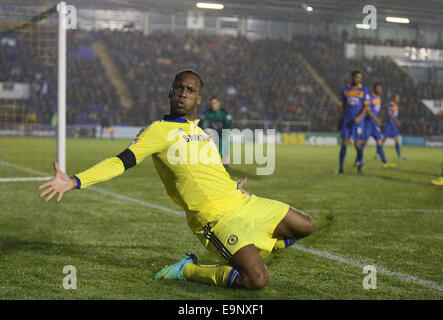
(350, 127)
(371, 130)
(391, 130)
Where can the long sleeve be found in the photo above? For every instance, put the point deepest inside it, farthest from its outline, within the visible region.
(102, 171)
(150, 140)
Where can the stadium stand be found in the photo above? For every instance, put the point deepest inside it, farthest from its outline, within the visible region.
(88, 87)
(260, 79)
(18, 63)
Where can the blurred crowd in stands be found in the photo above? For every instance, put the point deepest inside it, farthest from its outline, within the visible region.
(19, 63)
(395, 42)
(258, 80)
(89, 88)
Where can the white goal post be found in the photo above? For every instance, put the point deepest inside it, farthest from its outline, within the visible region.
(61, 94)
(24, 23)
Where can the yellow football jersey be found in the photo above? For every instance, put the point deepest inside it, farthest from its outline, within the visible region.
(188, 163)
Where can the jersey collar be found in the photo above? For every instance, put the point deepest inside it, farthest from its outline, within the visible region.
(170, 118)
(357, 86)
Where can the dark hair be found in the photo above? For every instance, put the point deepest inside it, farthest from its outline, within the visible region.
(375, 85)
(190, 71)
(353, 73)
(213, 97)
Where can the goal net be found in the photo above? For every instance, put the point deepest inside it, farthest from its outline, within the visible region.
(29, 92)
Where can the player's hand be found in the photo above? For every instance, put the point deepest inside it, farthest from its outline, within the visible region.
(357, 119)
(60, 184)
(240, 184)
(398, 123)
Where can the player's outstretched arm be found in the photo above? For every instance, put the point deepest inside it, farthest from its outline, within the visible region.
(60, 184)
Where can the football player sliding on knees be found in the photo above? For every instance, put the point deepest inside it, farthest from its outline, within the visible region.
(240, 228)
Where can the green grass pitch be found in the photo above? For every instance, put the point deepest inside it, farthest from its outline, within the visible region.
(390, 218)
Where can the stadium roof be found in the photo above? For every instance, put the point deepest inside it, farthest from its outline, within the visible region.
(423, 12)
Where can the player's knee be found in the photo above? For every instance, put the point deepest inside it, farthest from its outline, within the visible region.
(259, 280)
(307, 228)
(310, 225)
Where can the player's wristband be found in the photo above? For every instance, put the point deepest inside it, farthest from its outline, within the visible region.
(79, 184)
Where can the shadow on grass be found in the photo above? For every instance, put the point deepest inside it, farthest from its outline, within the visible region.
(114, 255)
(397, 180)
(427, 174)
(390, 179)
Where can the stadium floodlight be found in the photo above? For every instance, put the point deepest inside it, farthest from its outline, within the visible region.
(205, 5)
(307, 8)
(397, 20)
(362, 26)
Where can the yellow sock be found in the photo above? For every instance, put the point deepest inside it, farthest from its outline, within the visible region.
(281, 244)
(219, 275)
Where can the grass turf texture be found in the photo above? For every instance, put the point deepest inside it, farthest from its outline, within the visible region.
(117, 245)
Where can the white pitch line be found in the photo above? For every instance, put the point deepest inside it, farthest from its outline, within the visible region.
(408, 210)
(15, 166)
(25, 179)
(380, 270)
(323, 254)
(376, 211)
(141, 202)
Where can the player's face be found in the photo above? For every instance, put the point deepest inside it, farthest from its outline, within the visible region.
(356, 78)
(378, 90)
(215, 104)
(397, 98)
(185, 95)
